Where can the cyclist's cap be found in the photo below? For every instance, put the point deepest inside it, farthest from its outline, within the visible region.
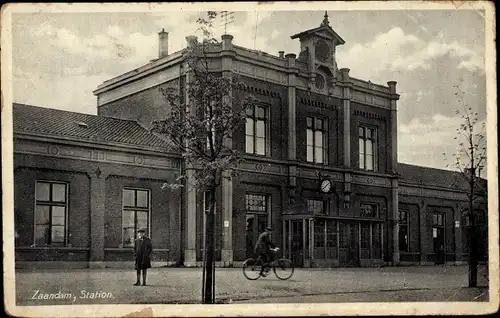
(269, 228)
(141, 231)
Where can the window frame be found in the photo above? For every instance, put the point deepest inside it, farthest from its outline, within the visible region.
(51, 204)
(211, 126)
(439, 221)
(375, 210)
(267, 210)
(324, 131)
(365, 238)
(135, 208)
(316, 200)
(363, 154)
(255, 118)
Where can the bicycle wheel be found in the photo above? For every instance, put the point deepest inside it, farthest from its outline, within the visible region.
(251, 268)
(283, 269)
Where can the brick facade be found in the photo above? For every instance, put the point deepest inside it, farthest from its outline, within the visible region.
(359, 223)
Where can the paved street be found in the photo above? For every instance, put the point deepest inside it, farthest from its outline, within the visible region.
(183, 285)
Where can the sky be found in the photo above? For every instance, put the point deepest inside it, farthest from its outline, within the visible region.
(60, 58)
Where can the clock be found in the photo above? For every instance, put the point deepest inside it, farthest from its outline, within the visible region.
(326, 186)
(322, 51)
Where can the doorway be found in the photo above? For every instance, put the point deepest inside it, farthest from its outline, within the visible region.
(256, 224)
(297, 242)
(438, 238)
(349, 244)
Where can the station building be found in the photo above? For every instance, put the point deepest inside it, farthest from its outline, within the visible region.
(320, 168)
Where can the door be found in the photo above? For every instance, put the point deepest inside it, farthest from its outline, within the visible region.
(349, 244)
(438, 238)
(297, 243)
(256, 224)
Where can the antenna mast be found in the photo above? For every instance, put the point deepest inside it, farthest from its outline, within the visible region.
(227, 18)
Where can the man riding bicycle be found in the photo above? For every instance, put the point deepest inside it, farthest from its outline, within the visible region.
(264, 246)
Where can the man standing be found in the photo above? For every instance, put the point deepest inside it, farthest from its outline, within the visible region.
(143, 249)
(263, 246)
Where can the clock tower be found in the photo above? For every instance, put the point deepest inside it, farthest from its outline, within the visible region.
(318, 47)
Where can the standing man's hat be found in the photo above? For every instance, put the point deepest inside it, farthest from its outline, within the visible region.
(269, 228)
(141, 230)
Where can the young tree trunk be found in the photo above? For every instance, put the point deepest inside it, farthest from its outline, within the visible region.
(472, 241)
(209, 259)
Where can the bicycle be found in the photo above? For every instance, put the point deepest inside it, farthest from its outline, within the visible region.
(282, 267)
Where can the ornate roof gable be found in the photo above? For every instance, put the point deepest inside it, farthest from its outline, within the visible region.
(324, 30)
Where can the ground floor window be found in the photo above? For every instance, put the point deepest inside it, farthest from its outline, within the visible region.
(135, 214)
(347, 241)
(50, 213)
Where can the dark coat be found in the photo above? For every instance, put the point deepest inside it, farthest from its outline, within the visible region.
(264, 243)
(142, 253)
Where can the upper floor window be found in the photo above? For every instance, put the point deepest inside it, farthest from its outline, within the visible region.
(316, 207)
(316, 140)
(367, 148)
(135, 214)
(256, 130)
(51, 206)
(403, 231)
(210, 122)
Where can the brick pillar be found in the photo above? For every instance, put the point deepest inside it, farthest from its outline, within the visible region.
(190, 225)
(227, 56)
(292, 107)
(97, 208)
(227, 219)
(423, 233)
(346, 97)
(190, 190)
(292, 127)
(393, 155)
(395, 223)
(346, 160)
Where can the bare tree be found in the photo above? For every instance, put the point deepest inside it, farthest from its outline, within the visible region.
(200, 125)
(470, 160)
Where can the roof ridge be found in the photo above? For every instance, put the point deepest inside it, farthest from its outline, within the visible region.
(425, 167)
(52, 122)
(73, 112)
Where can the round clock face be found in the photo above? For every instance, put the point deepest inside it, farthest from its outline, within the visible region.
(322, 50)
(326, 186)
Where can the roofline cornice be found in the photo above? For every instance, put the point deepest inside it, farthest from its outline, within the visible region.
(431, 187)
(94, 144)
(137, 74)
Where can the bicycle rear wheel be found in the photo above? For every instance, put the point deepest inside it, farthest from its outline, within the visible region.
(283, 269)
(251, 269)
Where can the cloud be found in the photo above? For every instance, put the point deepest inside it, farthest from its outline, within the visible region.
(422, 141)
(71, 92)
(110, 45)
(397, 51)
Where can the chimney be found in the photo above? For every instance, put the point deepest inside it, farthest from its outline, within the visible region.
(281, 54)
(162, 44)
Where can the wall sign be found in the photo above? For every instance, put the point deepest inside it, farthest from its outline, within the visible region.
(226, 223)
(457, 223)
(434, 232)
